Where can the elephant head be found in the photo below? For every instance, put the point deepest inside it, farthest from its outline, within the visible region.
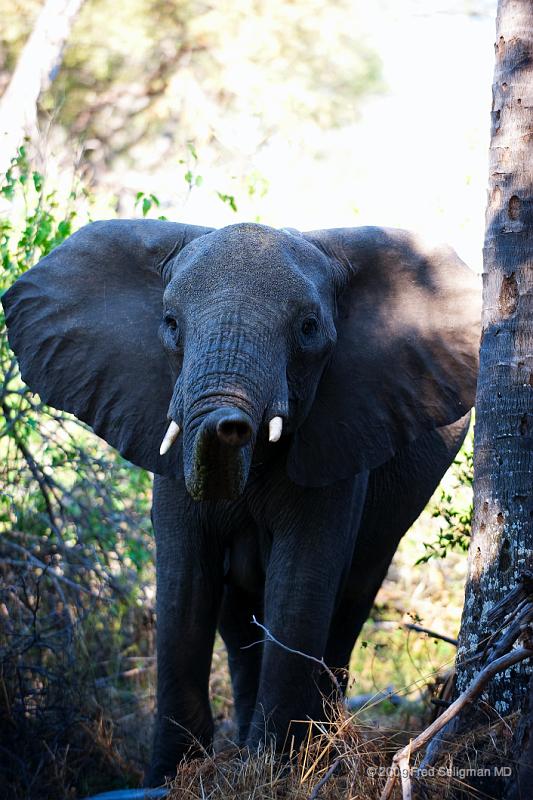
(346, 343)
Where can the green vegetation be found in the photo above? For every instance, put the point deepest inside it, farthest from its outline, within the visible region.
(76, 574)
(453, 507)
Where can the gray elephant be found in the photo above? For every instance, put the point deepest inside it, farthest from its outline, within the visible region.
(317, 387)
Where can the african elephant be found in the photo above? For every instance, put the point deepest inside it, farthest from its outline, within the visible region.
(320, 384)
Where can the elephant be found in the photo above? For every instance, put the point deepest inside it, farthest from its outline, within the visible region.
(298, 397)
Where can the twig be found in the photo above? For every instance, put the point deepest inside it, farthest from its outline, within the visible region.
(389, 624)
(470, 694)
(360, 701)
(37, 473)
(433, 634)
(325, 778)
(403, 766)
(47, 568)
(511, 634)
(129, 673)
(507, 605)
(491, 647)
(320, 661)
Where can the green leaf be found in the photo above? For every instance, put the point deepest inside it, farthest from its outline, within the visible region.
(64, 228)
(8, 191)
(229, 199)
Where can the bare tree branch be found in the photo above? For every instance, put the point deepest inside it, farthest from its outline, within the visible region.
(410, 626)
(400, 762)
(320, 661)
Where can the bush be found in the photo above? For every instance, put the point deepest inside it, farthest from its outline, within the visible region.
(453, 506)
(75, 593)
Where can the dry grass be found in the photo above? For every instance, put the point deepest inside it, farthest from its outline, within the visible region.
(76, 704)
(77, 692)
(349, 760)
(478, 754)
(345, 759)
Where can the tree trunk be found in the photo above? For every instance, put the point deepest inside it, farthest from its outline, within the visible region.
(39, 60)
(502, 538)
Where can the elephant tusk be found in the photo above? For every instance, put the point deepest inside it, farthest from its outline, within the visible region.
(170, 437)
(275, 426)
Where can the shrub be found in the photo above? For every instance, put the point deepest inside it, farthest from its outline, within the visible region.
(75, 601)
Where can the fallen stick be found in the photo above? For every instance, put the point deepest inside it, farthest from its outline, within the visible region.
(325, 778)
(400, 762)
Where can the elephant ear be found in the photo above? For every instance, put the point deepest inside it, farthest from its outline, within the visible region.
(408, 326)
(84, 322)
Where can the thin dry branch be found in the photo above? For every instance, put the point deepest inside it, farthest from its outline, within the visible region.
(320, 661)
(508, 604)
(48, 569)
(410, 626)
(325, 778)
(400, 762)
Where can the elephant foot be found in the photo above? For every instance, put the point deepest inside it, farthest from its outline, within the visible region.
(172, 745)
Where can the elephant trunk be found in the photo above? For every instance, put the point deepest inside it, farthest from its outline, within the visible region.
(225, 390)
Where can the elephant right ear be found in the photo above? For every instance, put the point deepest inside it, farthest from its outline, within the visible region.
(84, 323)
(406, 357)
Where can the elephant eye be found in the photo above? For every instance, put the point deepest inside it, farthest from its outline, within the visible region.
(171, 323)
(309, 326)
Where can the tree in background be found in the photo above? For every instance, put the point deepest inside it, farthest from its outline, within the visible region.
(226, 75)
(501, 550)
(39, 60)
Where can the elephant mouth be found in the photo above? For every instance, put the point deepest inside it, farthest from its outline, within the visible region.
(218, 454)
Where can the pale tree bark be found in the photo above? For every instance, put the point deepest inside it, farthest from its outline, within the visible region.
(39, 61)
(502, 542)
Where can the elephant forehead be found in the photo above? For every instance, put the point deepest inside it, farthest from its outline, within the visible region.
(252, 258)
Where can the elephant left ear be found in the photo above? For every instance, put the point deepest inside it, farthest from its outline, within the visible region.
(406, 359)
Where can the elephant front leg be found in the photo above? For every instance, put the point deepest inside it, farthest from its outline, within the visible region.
(189, 588)
(313, 539)
(244, 657)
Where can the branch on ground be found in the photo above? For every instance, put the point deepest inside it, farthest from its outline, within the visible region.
(501, 658)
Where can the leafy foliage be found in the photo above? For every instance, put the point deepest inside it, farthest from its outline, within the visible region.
(453, 508)
(75, 546)
(147, 202)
